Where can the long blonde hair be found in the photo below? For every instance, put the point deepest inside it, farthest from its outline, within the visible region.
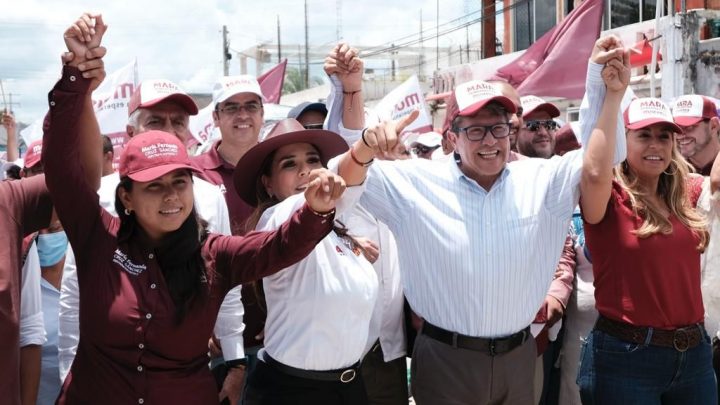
(672, 188)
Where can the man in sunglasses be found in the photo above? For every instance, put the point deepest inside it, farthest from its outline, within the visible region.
(698, 143)
(536, 137)
(310, 115)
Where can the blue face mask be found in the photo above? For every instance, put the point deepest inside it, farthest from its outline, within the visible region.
(51, 247)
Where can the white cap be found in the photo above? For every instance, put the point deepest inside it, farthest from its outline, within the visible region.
(229, 86)
(474, 95)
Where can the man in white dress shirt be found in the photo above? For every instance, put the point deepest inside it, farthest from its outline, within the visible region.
(479, 254)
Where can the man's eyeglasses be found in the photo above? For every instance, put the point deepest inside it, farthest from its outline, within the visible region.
(478, 132)
(534, 125)
(234, 108)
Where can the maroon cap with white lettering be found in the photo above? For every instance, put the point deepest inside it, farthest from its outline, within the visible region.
(33, 154)
(153, 154)
(153, 92)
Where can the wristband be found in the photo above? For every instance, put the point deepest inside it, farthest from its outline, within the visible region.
(356, 160)
(237, 363)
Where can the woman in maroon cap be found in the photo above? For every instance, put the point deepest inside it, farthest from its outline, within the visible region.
(152, 280)
(644, 238)
(319, 309)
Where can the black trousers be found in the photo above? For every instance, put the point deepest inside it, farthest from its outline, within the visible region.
(269, 386)
(385, 383)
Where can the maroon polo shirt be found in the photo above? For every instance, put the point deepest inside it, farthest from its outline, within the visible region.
(220, 173)
(217, 171)
(131, 350)
(25, 207)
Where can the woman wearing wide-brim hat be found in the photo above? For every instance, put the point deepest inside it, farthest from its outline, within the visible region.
(319, 309)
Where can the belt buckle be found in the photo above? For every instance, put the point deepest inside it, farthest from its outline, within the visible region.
(681, 343)
(491, 347)
(348, 375)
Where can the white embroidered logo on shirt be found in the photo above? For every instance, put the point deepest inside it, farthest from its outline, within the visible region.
(123, 261)
(222, 188)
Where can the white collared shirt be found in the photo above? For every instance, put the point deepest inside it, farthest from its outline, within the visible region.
(229, 327)
(319, 309)
(32, 329)
(387, 323)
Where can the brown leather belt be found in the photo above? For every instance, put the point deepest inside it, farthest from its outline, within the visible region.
(491, 346)
(680, 339)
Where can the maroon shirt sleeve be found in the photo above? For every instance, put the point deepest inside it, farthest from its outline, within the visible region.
(29, 203)
(76, 203)
(243, 259)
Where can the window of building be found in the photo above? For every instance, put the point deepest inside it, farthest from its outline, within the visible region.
(532, 18)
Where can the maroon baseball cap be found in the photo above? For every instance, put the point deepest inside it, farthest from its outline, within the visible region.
(285, 132)
(691, 109)
(33, 154)
(530, 104)
(153, 92)
(153, 154)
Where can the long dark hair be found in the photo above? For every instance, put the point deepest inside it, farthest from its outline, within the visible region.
(179, 254)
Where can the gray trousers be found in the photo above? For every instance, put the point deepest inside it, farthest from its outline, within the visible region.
(441, 374)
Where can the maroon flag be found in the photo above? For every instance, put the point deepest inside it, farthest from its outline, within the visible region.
(556, 64)
(271, 82)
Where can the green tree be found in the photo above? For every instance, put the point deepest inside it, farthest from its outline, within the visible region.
(295, 81)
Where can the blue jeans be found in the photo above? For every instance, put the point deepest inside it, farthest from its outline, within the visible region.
(613, 371)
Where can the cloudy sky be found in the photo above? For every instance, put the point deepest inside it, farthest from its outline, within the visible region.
(180, 40)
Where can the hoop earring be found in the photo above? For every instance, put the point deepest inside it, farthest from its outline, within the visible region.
(127, 212)
(673, 173)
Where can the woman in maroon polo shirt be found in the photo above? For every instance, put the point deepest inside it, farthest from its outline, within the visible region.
(645, 239)
(152, 281)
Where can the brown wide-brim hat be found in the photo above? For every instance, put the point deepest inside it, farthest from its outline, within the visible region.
(285, 132)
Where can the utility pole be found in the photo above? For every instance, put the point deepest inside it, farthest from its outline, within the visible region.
(338, 18)
(307, 52)
(488, 28)
(421, 62)
(467, 43)
(279, 48)
(393, 52)
(437, 35)
(226, 52)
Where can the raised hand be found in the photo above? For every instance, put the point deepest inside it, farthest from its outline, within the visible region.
(616, 74)
(82, 36)
(324, 188)
(607, 48)
(384, 137)
(344, 62)
(8, 121)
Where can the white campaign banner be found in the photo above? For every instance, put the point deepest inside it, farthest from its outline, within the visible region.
(110, 102)
(202, 127)
(401, 101)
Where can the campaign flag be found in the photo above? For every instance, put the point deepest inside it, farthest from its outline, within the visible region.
(401, 101)
(556, 64)
(271, 82)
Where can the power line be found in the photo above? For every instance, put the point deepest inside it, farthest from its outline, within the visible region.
(445, 32)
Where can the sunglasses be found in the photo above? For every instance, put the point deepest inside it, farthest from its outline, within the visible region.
(534, 125)
(423, 150)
